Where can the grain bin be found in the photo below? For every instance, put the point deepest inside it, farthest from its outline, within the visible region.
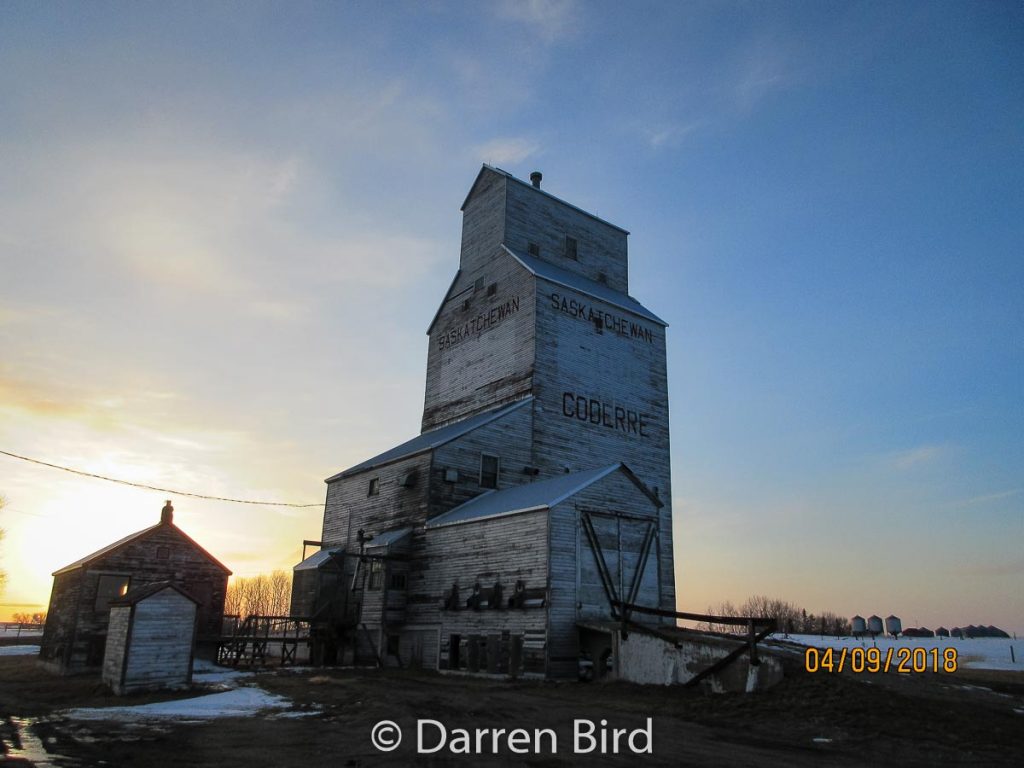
(893, 625)
(875, 624)
(858, 625)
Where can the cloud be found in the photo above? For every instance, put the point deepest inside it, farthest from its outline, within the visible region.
(552, 19)
(989, 497)
(509, 151)
(915, 457)
(761, 71)
(667, 135)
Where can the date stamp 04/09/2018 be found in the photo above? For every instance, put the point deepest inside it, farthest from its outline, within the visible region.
(871, 660)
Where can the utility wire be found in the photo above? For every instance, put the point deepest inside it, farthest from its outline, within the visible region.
(153, 487)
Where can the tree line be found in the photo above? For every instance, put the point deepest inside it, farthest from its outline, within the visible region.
(263, 595)
(789, 618)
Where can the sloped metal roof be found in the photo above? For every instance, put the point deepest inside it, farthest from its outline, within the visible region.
(564, 277)
(388, 538)
(529, 497)
(316, 560)
(432, 439)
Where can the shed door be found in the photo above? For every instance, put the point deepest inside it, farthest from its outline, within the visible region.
(618, 561)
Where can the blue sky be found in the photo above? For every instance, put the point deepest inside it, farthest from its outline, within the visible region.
(224, 230)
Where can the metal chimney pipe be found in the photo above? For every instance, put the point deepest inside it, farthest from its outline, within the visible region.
(535, 178)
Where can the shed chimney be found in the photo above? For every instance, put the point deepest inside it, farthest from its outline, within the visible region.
(167, 514)
(535, 178)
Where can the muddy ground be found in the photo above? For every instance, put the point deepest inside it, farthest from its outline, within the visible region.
(968, 718)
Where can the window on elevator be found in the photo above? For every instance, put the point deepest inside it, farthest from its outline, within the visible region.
(488, 471)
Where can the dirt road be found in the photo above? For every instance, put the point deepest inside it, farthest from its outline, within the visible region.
(967, 718)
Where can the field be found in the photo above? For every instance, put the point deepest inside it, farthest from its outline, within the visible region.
(324, 718)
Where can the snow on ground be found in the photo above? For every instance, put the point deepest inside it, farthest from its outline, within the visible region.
(240, 702)
(5, 633)
(206, 672)
(975, 652)
(19, 650)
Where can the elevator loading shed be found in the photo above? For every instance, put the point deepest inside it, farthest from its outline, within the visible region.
(538, 492)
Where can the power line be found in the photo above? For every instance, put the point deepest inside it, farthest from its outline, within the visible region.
(153, 487)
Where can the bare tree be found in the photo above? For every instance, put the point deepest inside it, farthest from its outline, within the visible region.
(281, 592)
(261, 595)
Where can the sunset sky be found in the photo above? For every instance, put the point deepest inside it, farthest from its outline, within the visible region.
(224, 229)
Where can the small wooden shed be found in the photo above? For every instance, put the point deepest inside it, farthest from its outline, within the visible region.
(150, 639)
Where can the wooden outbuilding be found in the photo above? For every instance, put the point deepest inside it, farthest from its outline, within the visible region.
(150, 639)
(76, 622)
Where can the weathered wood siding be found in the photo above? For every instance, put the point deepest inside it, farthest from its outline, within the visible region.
(533, 217)
(118, 629)
(159, 644)
(619, 512)
(349, 508)
(482, 355)
(510, 438)
(505, 550)
(602, 397)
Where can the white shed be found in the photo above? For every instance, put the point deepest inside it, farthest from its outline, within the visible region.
(150, 639)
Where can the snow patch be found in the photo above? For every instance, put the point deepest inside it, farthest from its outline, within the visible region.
(18, 650)
(974, 653)
(240, 702)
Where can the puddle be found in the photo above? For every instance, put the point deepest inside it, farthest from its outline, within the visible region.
(20, 742)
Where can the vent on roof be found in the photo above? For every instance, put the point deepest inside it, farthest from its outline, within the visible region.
(535, 178)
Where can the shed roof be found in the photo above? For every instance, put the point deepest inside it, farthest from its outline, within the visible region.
(531, 497)
(316, 560)
(564, 277)
(431, 439)
(138, 536)
(388, 538)
(148, 590)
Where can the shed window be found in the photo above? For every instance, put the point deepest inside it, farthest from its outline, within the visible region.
(163, 553)
(376, 574)
(111, 587)
(488, 471)
(492, 289)
(374, 488)
(570, 248)
(397, 581)
(533, 249)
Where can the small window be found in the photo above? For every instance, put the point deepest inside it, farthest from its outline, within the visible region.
(570, 248)
(397, 581)
(602, 278)
(111, 587)
(376, 574)
(492, 289)
(534, 249)
(465, 305)
(374, 489)
(163, 553)
(478, 285)
(488, 471)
